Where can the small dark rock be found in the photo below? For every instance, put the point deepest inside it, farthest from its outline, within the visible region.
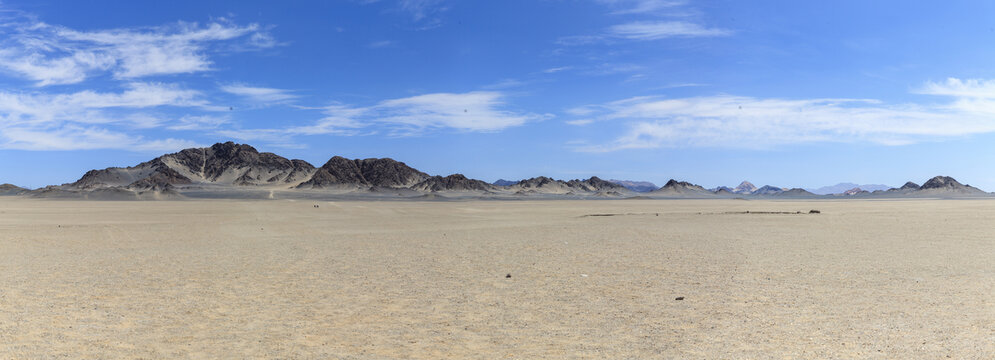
(679, 298)
(507, 276)
(814, 212)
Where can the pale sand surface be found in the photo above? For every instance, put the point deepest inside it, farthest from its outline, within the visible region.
(383, 280)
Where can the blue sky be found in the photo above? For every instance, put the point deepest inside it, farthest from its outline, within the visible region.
(794, 94)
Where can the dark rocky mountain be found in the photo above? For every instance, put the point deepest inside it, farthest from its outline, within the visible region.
(240, 171)
(10, 189)
(223, 163)
(503, 182)
(385, 172)
(682, 189)
(454, 182)
(910, 186)
(546, 185)
(147, 175)
(947, 184)
(238, 164)
(637, 186)
(541, 184)
(595, 184)
(938, 186)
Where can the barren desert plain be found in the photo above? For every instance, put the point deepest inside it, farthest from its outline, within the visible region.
(895, 279)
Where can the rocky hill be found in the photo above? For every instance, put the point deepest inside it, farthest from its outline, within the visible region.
(674, 188)
(454, 182)
(10, 189)
(223, 164)
(340, 172)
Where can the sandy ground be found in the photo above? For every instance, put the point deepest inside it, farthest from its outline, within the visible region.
(384, 280)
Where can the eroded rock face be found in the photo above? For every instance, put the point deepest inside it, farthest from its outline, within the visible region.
(223, 163)
(942, 182)
(238, 164)
(385, 172)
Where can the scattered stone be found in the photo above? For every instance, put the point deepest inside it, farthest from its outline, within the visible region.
(507, 276)
(679, 298)
(814, 212)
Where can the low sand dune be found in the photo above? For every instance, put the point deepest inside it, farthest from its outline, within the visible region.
(382, 280)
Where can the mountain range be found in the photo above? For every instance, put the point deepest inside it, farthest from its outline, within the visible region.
(230, 170)
(844, 187)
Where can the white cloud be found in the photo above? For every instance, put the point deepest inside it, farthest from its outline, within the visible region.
(749, 122)
(199, 122)
(20, 108)
(478, 111)
(664, 29)
(473, 111)
(970, 88)
(259, 94)
(40, 121)
(73, 137)
(49, 54)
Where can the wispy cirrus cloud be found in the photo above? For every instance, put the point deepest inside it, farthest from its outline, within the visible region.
(675, 23)
(476, 111)
(259, 95)
(657, 30)
(729, 121)
(424, 10)
(51, 54)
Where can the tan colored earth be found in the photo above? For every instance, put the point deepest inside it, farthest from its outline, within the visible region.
(897, 279)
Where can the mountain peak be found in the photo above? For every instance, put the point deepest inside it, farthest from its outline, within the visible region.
(910, 186)
(745, 187)
(939, 182)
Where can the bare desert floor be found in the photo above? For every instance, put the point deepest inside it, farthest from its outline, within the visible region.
(383, 280)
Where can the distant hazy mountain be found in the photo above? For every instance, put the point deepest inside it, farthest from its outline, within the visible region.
(842, 187)
(767, 190)
(503, 182)
(637, 186)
